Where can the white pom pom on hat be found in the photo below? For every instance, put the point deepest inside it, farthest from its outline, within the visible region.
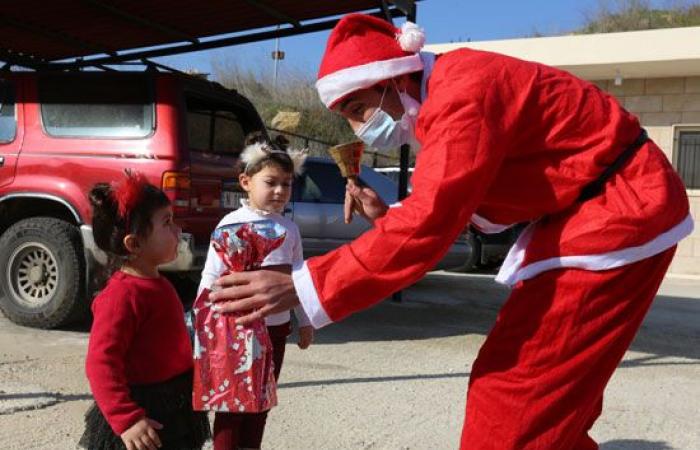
(411, 37)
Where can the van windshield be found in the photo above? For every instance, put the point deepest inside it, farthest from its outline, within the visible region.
(97, 105)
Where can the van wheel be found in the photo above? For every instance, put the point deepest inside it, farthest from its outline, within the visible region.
(42, 273)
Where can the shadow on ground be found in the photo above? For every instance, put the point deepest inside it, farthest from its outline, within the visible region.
(363, 380)
(446, 304)
(429, 309)
(631, 444)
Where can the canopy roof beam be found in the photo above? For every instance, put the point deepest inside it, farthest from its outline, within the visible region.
(141, 21)
(274, 12)
(54, 35)
(215, 43)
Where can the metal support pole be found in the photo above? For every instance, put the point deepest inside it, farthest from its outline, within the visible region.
(403, 172)
(403, 192)
(404, 159)
(277, 61)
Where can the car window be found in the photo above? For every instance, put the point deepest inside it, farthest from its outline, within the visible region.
(320, 183)
(214, 128)
(8, 123)
(100, 105)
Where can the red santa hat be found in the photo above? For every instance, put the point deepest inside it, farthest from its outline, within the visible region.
(364, 50)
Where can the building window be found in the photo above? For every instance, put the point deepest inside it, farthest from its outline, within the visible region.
(687, 157)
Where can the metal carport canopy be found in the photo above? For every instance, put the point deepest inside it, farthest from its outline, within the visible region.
(69, 34)
(36, 33)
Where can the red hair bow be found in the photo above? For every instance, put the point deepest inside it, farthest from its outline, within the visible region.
(127, 192)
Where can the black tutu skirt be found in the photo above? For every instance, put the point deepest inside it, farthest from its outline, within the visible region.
(169, 403)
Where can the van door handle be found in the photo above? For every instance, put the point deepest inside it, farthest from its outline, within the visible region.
(2, 161)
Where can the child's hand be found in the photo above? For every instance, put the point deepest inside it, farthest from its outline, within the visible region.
(306, 337)
(142, 435)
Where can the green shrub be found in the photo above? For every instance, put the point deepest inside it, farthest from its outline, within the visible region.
(630, 15)
(294, 91)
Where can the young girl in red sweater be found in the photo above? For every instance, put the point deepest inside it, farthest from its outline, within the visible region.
(139, 360)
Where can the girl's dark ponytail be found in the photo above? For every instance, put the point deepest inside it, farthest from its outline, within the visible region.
(108, 228)
(121, 209)
(100, 196)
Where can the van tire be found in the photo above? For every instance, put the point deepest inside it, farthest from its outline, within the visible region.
(42, 273)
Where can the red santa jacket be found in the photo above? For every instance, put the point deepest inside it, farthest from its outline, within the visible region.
(512, 141)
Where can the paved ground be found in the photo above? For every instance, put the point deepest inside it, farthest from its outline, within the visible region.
(393, 377)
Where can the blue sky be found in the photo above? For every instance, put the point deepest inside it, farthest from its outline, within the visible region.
(443, 21)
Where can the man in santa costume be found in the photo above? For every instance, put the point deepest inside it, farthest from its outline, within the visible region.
(502, 141)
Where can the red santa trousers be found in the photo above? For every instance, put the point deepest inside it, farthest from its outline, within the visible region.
(539, 378)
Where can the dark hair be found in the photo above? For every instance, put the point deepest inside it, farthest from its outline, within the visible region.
(277, 157)
(109, 228)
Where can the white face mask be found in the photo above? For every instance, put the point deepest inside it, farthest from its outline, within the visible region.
(382, 132)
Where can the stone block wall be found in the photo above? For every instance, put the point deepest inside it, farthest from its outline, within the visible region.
(664, 105)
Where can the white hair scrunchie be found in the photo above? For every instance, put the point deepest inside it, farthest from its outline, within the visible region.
(253, 153)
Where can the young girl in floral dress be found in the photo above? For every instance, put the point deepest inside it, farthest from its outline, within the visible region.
(236, 367)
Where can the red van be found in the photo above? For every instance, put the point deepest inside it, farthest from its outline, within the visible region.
(62, 132)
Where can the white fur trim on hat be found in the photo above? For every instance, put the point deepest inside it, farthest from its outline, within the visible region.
(337, 85)
(411, 37)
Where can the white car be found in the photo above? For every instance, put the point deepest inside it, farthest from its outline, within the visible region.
(317, 208)
(487, 250)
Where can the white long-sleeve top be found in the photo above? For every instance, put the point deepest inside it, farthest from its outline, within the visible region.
(290, 252)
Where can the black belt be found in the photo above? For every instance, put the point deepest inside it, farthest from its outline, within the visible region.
(595, 187)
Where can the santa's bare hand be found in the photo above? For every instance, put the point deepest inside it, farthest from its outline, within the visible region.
(258, 294)
(364, 201)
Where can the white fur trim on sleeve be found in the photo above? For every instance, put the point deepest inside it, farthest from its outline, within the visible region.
(302, 318)
(486, 226)
(308, 297)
